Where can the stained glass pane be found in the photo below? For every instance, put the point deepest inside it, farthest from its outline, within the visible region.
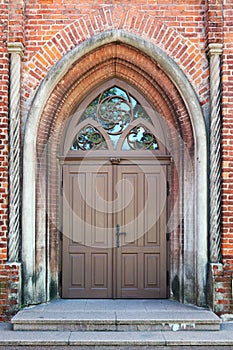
(140, 138)
(88, 138)
(114, 93)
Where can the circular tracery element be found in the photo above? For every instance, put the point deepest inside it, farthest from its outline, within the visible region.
(114, 113)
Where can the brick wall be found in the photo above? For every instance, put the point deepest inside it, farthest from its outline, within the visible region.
(10, 296)
(16, 20)
(50, 28)
(214, 21)
(227, 175)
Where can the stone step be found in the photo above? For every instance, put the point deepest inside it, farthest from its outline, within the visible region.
(116, 321)
(170, 340)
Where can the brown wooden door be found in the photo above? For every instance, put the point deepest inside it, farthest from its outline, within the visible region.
(87, 232)
(98, 202)
(141, 256)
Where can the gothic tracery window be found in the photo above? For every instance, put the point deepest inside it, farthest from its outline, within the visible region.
(114, 111)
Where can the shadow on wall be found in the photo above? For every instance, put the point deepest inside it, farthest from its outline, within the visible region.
(176, 288)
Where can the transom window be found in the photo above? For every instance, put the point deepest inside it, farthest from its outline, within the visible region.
(115, 117)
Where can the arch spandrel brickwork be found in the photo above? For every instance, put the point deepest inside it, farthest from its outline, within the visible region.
(184, 52)
(164, 85)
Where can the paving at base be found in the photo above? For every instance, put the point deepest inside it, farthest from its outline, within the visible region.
(127, 311)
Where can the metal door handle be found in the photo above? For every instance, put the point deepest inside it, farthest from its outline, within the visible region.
(118, 233)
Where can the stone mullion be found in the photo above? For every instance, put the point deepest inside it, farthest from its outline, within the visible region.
(15, 51)
(215, 52)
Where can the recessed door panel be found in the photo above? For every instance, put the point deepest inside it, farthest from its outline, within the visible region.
(99, 270)
(129, 268)
(152, 270)
(78, 206)
(77, 270)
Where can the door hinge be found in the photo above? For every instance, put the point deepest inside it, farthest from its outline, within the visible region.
(168, 236)
(168, 189)
(61, 236)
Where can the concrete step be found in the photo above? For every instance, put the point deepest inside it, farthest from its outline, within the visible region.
(169, 340)
(162, 320)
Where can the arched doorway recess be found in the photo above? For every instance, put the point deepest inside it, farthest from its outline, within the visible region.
(114, 167)
(156, 77)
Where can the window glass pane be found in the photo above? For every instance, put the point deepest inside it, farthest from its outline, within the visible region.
(140, 138)
(88, 138)
(114, 110)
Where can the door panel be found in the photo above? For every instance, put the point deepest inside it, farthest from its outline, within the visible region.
(152, 269)
(77, 262)
(99, 270)
(129, 266)
(95, 200)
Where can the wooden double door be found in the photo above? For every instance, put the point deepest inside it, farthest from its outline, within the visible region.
(114, 222)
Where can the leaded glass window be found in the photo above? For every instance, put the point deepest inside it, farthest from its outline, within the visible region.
(88, 138)
(114, 110)
(140, 138)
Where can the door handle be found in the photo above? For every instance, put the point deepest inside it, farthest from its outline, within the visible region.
(118, 233)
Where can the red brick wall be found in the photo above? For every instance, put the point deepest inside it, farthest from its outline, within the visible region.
(16, 20)
(52, 30)
(9, 290)
(214, 21)
(227, 134)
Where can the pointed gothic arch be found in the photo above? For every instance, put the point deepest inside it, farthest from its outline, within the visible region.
(39, 250)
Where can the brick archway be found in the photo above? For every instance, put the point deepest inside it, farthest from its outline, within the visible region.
(185, 53)
(158, 78)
